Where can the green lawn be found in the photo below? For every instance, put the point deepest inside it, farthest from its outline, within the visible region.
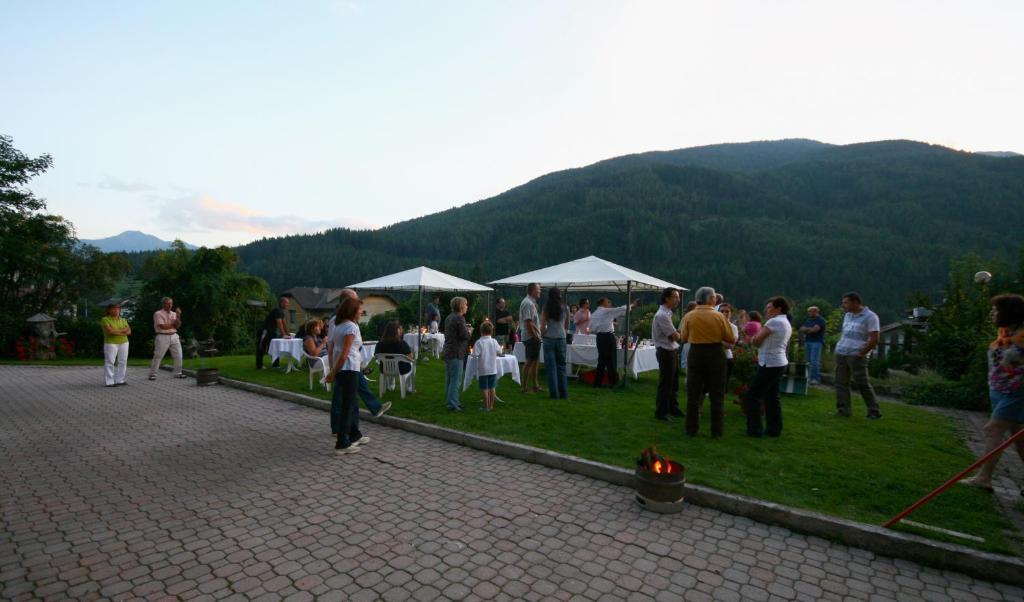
(854, 468)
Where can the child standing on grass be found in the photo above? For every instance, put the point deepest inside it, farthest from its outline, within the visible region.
(485, 350)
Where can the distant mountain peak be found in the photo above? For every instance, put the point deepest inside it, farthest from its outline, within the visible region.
(131, 241)
(1000, 154)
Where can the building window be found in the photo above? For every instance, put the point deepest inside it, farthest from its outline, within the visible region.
(291, 316)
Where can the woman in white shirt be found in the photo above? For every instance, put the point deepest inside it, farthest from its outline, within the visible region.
(346, 362)
(763, 394)
(730, 361)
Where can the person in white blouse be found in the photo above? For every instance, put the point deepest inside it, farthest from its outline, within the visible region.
(602, 324)
(486, 350)
(726, 310)
(771, 342)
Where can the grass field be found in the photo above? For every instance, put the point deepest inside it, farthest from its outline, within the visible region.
(852, 468)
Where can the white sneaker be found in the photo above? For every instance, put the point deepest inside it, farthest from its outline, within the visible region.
(351, 449)
(383, 409)
(362, 441)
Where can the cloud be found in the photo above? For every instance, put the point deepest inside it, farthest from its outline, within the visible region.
(112, 183)
(200, 213)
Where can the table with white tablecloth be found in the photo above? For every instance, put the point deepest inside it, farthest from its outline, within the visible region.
(433, 341)
(507, 364)
(291, 351)
(584, 339)
(645, 359)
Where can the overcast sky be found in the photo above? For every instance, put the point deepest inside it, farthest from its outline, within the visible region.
(223, 122)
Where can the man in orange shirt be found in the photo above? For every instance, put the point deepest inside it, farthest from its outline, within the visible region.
(705, 329)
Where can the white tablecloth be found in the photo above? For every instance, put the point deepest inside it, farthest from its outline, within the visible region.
(507, 364)
(434, 342)
(290, 350)
(369, 347)
(584, 339)
(644, 360)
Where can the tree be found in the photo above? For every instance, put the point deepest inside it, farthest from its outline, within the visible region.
(43, 267)
(209, 289)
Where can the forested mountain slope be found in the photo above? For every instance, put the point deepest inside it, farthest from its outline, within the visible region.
(794, 217)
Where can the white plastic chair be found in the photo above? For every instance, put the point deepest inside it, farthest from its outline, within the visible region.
(390, 374)
(316, 364)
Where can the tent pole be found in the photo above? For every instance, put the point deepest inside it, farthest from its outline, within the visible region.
(419, 317)
(626, 335)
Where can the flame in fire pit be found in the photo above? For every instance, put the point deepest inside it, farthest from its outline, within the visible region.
(657, 463)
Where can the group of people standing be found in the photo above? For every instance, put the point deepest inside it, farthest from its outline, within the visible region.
(711, 336)
(166, 322)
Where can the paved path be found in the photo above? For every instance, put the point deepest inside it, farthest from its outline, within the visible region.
(169, 489)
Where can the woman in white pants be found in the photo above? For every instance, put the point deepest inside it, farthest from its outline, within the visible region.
(115, 346)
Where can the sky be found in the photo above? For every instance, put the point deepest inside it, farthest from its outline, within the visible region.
(225, 122)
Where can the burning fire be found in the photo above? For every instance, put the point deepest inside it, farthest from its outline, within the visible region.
(657, 463)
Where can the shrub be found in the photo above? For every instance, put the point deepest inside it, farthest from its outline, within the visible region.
(84, 335)
(960, 395)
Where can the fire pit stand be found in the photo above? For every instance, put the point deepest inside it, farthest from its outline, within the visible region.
(659, 483)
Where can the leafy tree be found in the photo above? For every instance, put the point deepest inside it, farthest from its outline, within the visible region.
(43, 267)
(209, 289)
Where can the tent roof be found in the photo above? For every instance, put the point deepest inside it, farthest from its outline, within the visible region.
(414, 279)
(589, 274)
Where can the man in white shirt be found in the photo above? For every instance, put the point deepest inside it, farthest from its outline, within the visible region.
(763, 394)
(602, 325)
(859, 338)
(665, 338)
(166, 324)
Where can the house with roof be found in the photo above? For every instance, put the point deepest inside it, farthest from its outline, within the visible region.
(315, 302)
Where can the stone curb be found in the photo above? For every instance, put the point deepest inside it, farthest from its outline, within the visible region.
(984, 565)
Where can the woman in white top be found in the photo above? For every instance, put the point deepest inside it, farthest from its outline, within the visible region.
(726, 310)
(346, 362)
(763, 394)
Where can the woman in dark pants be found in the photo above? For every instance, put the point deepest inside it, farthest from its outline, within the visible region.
(771, 342)
(346, 363)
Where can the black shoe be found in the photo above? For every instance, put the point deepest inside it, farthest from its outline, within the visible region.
(120, 384)
(665, 418)
(875, 416)
(677, 413)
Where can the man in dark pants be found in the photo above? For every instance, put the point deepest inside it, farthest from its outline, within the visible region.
(706, 366)
(602, 324)
(273, 328)
(666, 343)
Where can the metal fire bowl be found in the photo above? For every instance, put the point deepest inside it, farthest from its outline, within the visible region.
(659, 507)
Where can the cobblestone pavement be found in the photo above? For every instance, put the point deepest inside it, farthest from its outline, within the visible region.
(169, 489)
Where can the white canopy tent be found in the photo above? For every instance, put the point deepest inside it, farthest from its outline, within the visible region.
(592, 274)
(420, 279)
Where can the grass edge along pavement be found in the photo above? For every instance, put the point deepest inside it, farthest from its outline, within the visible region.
(855, 469)
(948, 556)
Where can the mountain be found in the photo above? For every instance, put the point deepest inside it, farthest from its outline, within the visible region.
(1003, 154)
(131, 241)
(794, 217)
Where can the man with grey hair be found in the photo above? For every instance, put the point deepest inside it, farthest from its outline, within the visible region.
(166, 324)
(706, 330)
